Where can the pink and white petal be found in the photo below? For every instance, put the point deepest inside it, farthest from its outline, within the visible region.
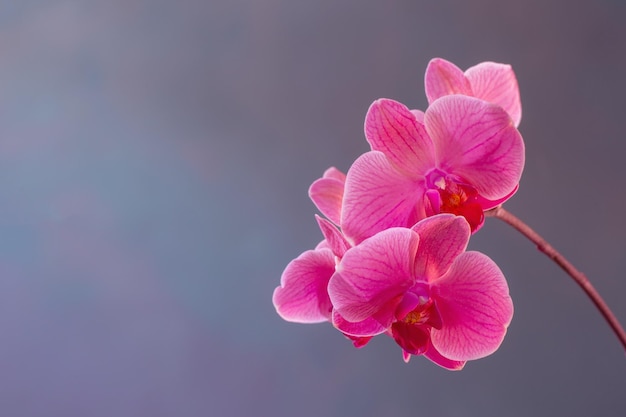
(443, 238)
(372, 277)
(302, 296)
(391, 128)
(333, 237)
(366, 328)
(377, 197)
(476, 141)
(497, 83)
(475, 308)
(439, 359)
(327, 195)
(444, 78)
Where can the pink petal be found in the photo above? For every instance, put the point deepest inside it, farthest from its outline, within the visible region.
(323, 245)
(442, 361)
(335, 240)
(442, 239)
(391, 128)
(378, 197)
(444, 78)
(366, 328)
(373, 276)
(475, 308)
(489, 204)
(334, 173)
(419, 115)
(327, 193)
(359, 341)
(302, 296)
(476, 141)
(497, 83)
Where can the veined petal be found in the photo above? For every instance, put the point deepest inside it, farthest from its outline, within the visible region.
(443, 238)
(476, 141)
(496, 83)
(373, 276)
(335, 240)
(444, 78)
(377, 196)
(475, 308)
(390, 127)
(327, 193)
(439, 359)
(302, 296)
(366, 328)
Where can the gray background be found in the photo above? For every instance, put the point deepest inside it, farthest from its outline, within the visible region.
(154, 162)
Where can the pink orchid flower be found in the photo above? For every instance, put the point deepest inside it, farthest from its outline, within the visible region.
(489, 81)
(302, 296)
(462, 156)
(421, 287)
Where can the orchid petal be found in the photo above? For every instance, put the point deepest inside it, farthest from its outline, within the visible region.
(419, 115)
(358, 341)
(497, 84)
(489, 204)
(334, 173)
(336, 241)
(378, 197)
(444, 78)
(434, 355)
(302, 296)
(476, 141)
(442, 239)
(390, 127)
(323, 245)
(475, 308)
(327, 193)
(366, 328)
(373, 276)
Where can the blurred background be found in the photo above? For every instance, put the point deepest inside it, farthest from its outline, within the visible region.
(154, 164)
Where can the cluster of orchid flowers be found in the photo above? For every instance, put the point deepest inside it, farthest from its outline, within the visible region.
(393, 259)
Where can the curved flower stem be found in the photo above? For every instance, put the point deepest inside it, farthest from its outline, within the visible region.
(553, 254)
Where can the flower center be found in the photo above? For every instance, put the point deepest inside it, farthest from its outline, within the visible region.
(424, 313)
(446, 194)
(412, 332)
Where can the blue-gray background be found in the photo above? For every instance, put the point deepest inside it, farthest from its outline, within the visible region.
(154, 163)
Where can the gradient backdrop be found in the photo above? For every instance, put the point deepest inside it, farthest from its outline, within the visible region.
(154, 164)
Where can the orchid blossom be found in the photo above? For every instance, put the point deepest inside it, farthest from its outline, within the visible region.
(421, 287)
(462, 156)
(490, 81)
(302, 296)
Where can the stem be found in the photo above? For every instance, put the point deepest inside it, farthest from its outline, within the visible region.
(553, 254)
